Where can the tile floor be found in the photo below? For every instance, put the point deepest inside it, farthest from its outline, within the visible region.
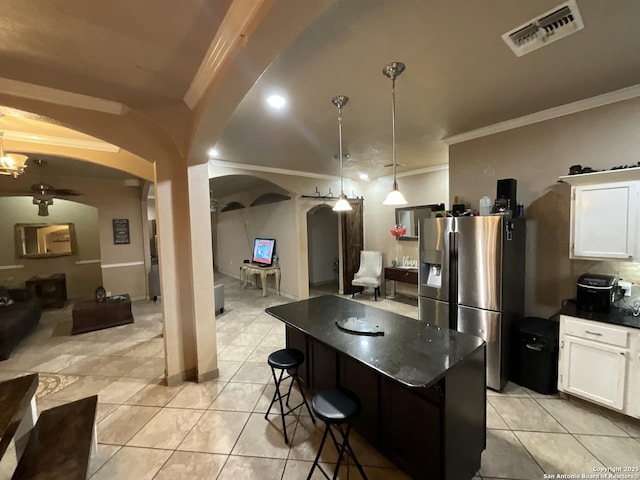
(216, 429)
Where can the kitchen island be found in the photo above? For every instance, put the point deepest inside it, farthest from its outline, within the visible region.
(422, 388)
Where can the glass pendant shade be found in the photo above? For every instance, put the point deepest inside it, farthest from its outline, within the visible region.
(395, 197)
(392, 70)
(342, 205)
(12, 164)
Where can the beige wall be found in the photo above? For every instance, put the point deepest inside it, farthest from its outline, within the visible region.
(82, 279)
(536, 155)
(113, 199)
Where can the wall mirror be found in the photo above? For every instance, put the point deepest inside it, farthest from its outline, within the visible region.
(42, 240)
(410, 216)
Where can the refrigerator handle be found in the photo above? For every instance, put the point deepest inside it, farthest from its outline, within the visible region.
(453, 280)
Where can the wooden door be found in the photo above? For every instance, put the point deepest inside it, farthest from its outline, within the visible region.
(352, 244)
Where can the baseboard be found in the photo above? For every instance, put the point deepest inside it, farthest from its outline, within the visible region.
(210, 375)
(181, 377)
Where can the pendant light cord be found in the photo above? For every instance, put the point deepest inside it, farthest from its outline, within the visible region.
(393, 130)
(340, 148)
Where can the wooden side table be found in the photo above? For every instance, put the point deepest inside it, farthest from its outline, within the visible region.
(404, 275)
(51, 290)
(248, 269)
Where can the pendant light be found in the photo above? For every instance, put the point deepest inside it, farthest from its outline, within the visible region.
(342, 205)
(392, 70)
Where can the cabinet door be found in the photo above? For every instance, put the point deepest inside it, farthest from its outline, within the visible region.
(593, 371)
(604, 220)
(633, 390)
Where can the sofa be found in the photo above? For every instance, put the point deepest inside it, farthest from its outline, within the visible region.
(17, 318)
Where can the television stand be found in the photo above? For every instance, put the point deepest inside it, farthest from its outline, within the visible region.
(248, 269)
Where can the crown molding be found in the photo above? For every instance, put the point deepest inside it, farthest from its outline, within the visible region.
(549, 114)
(259, 168)
(232, 32)
(60, 97)
(98, 145)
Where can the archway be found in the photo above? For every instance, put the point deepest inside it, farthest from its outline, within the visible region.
(323, 250)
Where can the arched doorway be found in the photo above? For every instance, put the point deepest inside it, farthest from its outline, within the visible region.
(323, 248)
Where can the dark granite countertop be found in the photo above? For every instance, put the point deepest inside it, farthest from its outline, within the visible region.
(617, 316)
(411, 352)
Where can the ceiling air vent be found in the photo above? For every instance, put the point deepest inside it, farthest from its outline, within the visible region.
(549, 27)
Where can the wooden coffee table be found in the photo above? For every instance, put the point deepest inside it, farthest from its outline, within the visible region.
(89, 315)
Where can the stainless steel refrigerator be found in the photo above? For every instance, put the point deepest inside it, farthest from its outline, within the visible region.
(471, 279)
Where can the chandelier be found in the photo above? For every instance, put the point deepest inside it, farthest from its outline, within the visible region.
(12, 164)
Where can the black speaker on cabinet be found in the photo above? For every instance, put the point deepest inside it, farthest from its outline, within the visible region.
(506, 193)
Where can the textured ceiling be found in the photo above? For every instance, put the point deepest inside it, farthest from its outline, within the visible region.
(460, 75)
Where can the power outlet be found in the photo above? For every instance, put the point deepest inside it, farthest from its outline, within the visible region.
(626, 286)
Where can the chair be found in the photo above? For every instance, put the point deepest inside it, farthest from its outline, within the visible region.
(337, 408)
(287, 360)
(370, 272)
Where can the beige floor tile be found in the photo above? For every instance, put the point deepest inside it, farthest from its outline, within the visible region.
(366, 453)
(91, 365)
(260, 354)
(613, 451)
(253, 372)
(123, 423)
(197, 395)
(258, 327)
(83, 387)
(558, 453)
(133, 463)
(215, 432)
(50, 383)
(238, 396)
(148, 350)
(167, 429)
(626, 423)
(521, 413)
(274, 340)
(298, 469)
(105, 409)
(505, 457)
(60, 362)
(251, 467)
(262, 438)
(224, 339)
(227, 369)
(509, 390)
(579, 418)
(148, 368)
(155, 395)
(237, 353)
(306, 441)
(192, 466)
(121, 390)
(103, 454)
(119, 366)
(494, 420)
(251, 339)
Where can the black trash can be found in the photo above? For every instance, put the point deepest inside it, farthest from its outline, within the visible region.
(537, 355)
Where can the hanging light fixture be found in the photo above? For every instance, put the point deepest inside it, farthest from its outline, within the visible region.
(392, 70)
(12, 163)
(342, 205)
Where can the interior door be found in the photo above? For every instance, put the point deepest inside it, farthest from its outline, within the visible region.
(352, 243)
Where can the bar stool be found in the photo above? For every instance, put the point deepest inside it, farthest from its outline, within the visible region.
(336, 407)
(286, 360)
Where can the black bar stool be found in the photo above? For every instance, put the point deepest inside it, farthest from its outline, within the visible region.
(286, 360)
(336, 407)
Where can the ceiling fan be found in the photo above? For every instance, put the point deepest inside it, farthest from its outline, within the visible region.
(42, 188)
(43, 193)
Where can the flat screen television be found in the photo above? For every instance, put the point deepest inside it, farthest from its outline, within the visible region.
(263, 250)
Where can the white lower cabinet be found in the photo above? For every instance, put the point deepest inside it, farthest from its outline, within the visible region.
(601, 363)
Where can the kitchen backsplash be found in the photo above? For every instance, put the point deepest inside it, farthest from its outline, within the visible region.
(628, 271)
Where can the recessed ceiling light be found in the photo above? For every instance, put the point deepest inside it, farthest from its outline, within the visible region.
(213, 152)
(364, 176)
(276, 101)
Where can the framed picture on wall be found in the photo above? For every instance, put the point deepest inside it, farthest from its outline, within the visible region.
(121, 231)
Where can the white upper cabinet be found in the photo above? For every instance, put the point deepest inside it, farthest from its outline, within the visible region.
(604, 214)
